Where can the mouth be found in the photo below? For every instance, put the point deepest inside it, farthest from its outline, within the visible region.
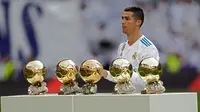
(123, 27)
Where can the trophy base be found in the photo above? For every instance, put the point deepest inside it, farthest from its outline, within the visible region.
(124, 88)
(154, 88)
(63, 93)
(69, 89)
(89, 88)
(38, 89)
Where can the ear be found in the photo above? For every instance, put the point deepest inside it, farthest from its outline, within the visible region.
(139, 22)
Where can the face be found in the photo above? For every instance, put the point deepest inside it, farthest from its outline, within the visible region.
(129, 22)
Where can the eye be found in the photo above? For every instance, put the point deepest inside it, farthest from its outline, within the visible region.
(127, 18)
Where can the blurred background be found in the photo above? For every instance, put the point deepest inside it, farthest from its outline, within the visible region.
(53, 30)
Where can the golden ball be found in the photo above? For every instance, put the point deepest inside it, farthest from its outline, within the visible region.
(150, 69)
(34, 72)
(66, 71)
(91, 71)
(121, 70)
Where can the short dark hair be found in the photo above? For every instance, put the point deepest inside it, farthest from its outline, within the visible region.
(137, 13)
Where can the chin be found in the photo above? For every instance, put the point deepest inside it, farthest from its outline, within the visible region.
(124, 32)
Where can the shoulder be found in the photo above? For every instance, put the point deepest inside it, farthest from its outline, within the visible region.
(147, 48)
(146, 44)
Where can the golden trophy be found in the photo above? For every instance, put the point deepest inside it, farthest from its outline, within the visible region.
(121, 71)
(91, 72)
(35, 73)
(150, 70)
(66, 73)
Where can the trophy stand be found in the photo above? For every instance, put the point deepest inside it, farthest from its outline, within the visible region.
(166, 102)
(124, 88)
(39, 88)
(155, 87)
(89, 88)
(69, 88)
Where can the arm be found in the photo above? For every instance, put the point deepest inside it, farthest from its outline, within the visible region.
(136, 79)
(106, 75)
(138, 82)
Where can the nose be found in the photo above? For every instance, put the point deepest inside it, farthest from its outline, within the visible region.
(123, 22)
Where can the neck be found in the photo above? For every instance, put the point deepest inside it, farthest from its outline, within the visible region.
(133, 37)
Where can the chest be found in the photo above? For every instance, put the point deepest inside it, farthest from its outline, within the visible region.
(132, 55)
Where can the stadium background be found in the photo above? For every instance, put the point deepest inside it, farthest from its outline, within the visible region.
(52, 30)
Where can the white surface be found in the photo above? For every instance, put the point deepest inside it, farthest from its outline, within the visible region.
(103, 94)
(101, 102)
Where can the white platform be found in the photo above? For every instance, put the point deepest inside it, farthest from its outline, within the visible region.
(167, 102)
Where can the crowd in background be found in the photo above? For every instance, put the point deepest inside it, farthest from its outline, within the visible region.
(173, 26)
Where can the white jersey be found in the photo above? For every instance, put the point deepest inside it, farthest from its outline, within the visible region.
(141, 49)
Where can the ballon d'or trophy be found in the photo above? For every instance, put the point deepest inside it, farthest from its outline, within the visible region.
(91, 72)
(35, 73)
(150, 70)
(66, 73)
(121, 71)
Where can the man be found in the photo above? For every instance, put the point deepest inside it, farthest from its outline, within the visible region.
(137, 47)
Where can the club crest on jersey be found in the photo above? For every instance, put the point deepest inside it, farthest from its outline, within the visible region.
(134, 56)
